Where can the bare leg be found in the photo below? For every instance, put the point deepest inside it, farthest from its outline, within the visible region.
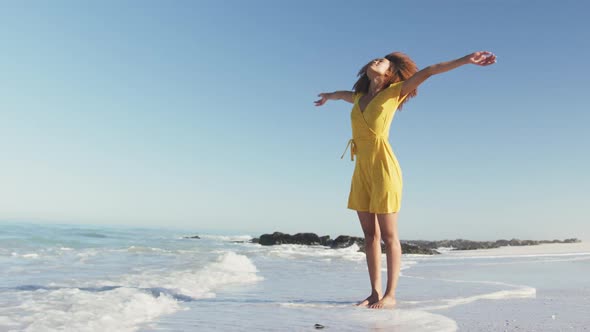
(373, 254)
(388, 228)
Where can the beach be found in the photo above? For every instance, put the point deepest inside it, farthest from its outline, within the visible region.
(96, 278)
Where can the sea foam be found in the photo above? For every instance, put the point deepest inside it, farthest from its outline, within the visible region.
(120, 303)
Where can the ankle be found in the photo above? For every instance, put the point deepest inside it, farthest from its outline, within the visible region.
(389, 295)
(376, 292)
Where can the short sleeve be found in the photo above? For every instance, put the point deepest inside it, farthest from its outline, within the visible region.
(394, 92)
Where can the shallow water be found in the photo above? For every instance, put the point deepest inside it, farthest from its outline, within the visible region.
(83, 278)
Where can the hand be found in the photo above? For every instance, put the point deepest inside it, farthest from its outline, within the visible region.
(483, 58)
(323, 99)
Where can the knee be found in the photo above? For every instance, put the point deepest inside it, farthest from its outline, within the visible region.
(393, 243)
(372, 238)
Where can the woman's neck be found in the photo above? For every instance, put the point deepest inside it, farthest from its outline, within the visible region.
(376, 84)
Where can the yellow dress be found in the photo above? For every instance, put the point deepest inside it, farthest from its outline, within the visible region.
(376, 184)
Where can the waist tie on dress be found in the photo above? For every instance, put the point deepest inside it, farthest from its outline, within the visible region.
(352, 144)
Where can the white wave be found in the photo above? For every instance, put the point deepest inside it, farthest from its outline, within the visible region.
(47, 253)
(140, 249)
(294, 251)
(226, 238)
(444, 250)
(87, 253)
(29, 255)
(470, 281)
(525, 292)
(121, 303)
(229, 268)
(297, 251)
(518, 291)
(84, 253)
(71, 309)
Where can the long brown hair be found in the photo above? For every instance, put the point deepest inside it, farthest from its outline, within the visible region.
(400, 69)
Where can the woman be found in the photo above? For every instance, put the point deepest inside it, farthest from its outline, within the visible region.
(385, 84)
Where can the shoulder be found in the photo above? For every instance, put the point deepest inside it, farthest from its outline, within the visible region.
(356, 96)
(394, 89)
(396, 85)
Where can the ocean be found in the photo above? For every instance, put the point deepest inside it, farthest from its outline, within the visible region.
(114, 278)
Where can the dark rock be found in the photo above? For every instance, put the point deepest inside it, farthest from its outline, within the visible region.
(272, 239)
(502, 243)
(461, 244)
(306, 238)
(344, 241)
(282, 238)
(458, 244)
(529, 243)
(514, 242)
(573, 240)
(192, 237)
(319, 326)
(326, 241)
(408, 249)
(413, 249)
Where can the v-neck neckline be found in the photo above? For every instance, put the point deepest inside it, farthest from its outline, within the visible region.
(369, 103)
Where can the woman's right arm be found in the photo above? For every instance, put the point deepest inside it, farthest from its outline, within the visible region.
(336, 95)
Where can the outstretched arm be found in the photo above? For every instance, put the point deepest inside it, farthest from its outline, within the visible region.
(337, 95)
(482, 58)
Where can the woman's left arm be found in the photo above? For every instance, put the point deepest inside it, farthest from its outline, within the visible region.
(482, 58)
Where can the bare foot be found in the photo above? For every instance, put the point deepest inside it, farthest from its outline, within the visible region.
(386, 302)
(373, 298)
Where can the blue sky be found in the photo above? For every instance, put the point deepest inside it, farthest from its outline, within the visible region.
(200, 115)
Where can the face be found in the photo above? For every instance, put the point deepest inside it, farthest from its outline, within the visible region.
(378, 67)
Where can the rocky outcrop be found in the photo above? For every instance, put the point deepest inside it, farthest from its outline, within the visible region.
(407, 249)
(342, 241)
(282, 238)
(408, 246)
(461, 244)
